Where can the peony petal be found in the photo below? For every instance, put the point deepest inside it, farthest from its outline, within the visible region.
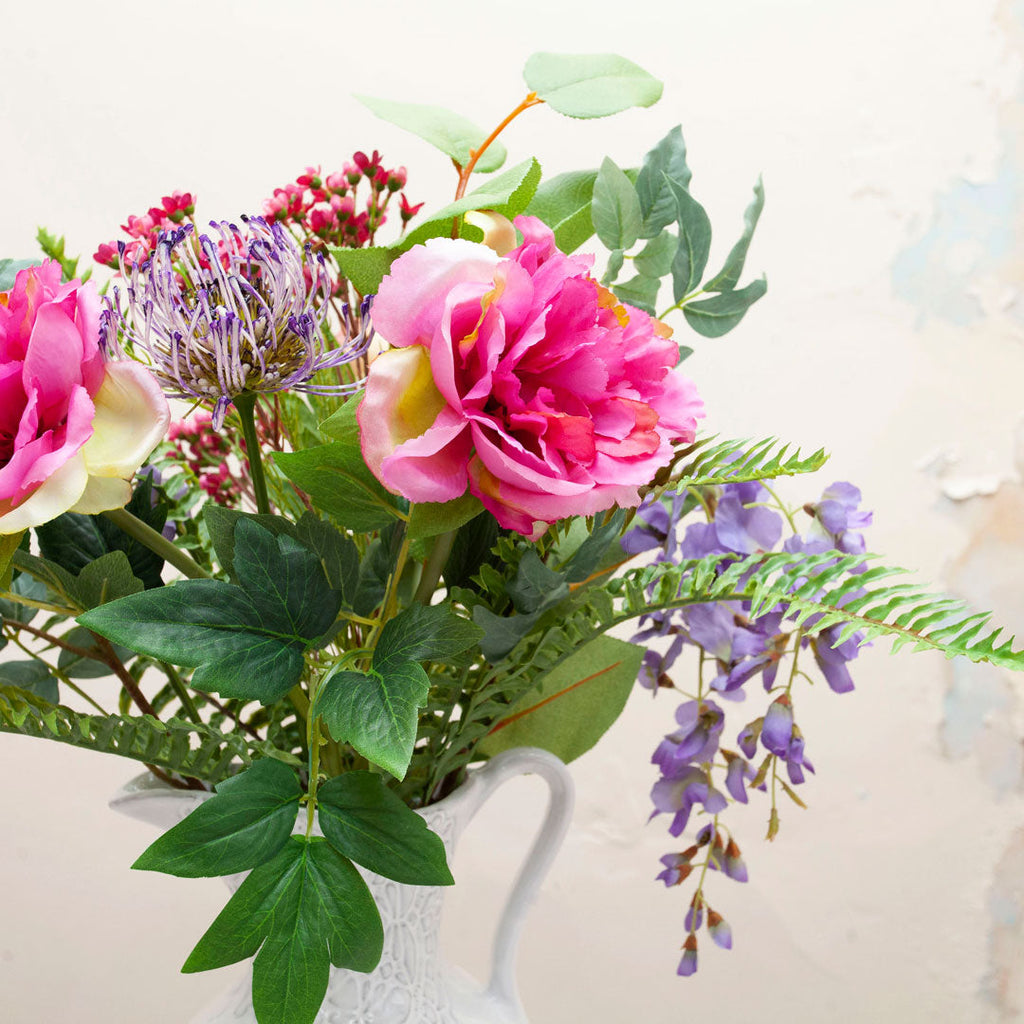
(431, 467)
(53, 363)
(131, 419)
(62, 488)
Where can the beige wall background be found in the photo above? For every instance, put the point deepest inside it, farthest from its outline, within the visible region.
(890, 139)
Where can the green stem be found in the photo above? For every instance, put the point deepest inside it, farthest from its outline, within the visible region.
(313, 742)
(245, 404)
(156, 542)
(434, 566)
(178, 686)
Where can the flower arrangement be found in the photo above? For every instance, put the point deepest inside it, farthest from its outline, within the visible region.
(405, 493)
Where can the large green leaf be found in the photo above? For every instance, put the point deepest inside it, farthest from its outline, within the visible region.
(578, 702)
(615, 207)
(363, 819)
(721, 313)
(245, 641)
(564, 204)
(590, 85)
(245, 824)
(657, 202)
(302, 911)
(449, 132)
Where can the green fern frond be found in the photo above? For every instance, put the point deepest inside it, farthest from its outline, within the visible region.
(708, 462)
(199, 751)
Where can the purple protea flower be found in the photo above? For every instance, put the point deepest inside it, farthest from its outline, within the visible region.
(231, 313)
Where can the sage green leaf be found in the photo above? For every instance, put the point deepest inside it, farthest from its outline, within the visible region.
(304, 910)
(578, 702)
(423, 633)
(729, 276)
(654, 260)
(367, 822)
(376, 712)
(428, 519)
(615, 207)
(245, 824)
(364, 268)
(590, 85)
(721, 313)
(31, 676)
(508, 193)
(245, 641)
(694, 241)
(564, 203)
(657, 202)
(611, 271)
(447, 131)
(9, 271)
(639, 291)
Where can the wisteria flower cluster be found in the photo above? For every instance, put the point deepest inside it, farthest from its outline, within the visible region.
(397, 519)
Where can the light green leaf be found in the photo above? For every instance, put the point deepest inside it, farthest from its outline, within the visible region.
(564, 203)
(721, 313)
(449, 132)
(246, 823)
(365, 268)
(578, 702)
(9, 271)
(615, 208)
(590, 85)
(655, 259)
(428, 519)
(363, 819)
(729, 276)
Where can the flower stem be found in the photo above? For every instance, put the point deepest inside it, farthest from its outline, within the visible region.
(434, 566)
(156, 542)
(245, 404)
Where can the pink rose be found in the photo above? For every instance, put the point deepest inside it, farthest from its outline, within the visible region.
(73, 429)
(521, 377)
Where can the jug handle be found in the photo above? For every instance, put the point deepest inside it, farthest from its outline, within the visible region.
(507, 765)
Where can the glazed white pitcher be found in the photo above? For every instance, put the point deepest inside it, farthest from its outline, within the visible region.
(412, 984)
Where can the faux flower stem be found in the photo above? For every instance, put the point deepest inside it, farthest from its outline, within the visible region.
(181, 691)
(245, 404)
(156, 542)
(434, 566)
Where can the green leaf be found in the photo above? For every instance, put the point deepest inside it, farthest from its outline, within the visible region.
(246, 641)
(590, 85)
(246, 823)
(364, 268)
(447, 131)
(471, 548)
(53, 247)
(694, 241)
(577, 704)
(502, 632)
(363, 819)
(32, 676)
(107, 578)
(721, 313)
(78, 667)
(508, 193)
(428, 519)
(220, 524)
(591, 553)
(376, 713)
(564, 204)
(423, 633)
(375, 569)
(657, 202)
(639, 291)
(339, 557)
(304, 910)
(615, 207)
(655, 259)
(9, 543)
(536, 586)
(729, 276)
(9, 270)
(615, 260)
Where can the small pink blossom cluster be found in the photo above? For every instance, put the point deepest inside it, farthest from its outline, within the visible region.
(329, 207)
(145, 230)
(205, 451)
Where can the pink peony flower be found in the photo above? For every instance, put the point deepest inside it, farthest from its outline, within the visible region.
(73, 429)
(522, 378)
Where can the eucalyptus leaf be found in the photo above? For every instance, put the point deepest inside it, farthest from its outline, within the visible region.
(657, 202)
(447, 131)
(9, 270)
(694, 241)
(721, 313)
(590, 85)
(639, 291)
(729, 276)
(654, 260)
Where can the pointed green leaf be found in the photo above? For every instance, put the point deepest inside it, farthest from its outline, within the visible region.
(655, 258)
(339, 557)
(694, 241)
(221, 521)
(564, 204)
(639, 291)
(31, 676)
(729, 276)
(9, 543)
(447, 131)
(428, 519)
(657, 203)
(364, 268)
(246, 823)
(423, 633)
(615, 207)
(590, 85)
(721, 313)
(363, 819)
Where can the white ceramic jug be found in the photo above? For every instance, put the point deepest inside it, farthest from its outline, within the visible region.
(412, 984)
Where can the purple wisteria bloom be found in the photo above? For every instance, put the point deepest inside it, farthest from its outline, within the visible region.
(680, 792)
(229, 313)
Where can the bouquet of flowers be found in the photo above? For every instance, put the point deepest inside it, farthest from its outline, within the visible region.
(407, 482)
